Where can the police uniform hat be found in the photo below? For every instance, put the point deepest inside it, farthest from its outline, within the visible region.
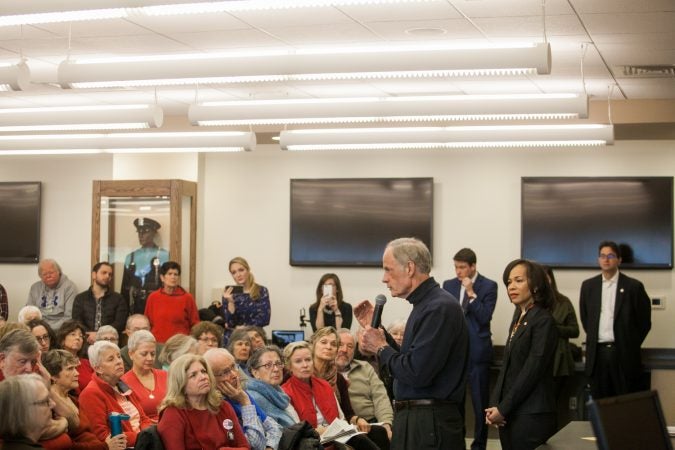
(146, 223)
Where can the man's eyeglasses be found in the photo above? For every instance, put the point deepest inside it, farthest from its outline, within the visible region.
(225, 372)
(609, 256)
(45, 402)
(270, 365)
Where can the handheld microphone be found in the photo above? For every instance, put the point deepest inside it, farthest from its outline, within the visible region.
(380, 300)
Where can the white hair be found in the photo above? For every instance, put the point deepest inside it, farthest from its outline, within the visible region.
(23, 312)
(97, 348)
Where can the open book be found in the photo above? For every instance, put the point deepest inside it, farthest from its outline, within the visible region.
(339, 431)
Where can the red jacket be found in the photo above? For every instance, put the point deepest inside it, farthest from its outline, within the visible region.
(98, 400)
(319, 391)
(171, 314)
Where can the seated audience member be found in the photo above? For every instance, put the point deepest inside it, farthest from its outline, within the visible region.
(193, 415)
(100, 304)
(267, 370)
(176, 346)
(147, 382)
(170, 309)
(62, 367)
(107, 333)
(367, 393)
(107, 393)
(261, 430)
(329, 309)
(396, 330)
(135, 322)
(324, 344)
(28, 313)
(26, 411)
(240, 347)
(43, 333)
(53, 294)
(19, 355)
(258, 337)
(70, 337)
(312, 397)
(382, 371)
(4, 306)
(208, 335)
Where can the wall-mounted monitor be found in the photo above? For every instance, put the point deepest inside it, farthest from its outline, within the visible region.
(348, 221)
(20, 222)
(564, 220)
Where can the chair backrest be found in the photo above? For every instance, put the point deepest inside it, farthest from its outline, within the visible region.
(629, 422)
(149, 439)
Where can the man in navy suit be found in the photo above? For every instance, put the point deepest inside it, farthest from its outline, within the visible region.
(478, 296)
(616, 314)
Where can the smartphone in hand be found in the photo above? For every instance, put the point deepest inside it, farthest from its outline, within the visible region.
(236, 289)
(327, 290)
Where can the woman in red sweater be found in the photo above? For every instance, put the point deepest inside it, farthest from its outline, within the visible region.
(193, 415)
(170, 309)
(106, 393)
(62, 368)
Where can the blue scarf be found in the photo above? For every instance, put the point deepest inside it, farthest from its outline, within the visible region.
(272, 400)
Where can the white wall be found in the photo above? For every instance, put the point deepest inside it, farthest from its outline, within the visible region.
(244, 210)
(66, 217)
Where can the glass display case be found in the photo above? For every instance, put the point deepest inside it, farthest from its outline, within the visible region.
(137, 225)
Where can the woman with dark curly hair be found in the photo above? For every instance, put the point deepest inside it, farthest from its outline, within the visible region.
(524, 407)
(70, 338)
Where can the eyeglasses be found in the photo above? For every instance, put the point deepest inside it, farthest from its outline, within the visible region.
(44, 338)
(225, 372)
(270, 365)
(45, 402)
(208, 340)
(608, 256)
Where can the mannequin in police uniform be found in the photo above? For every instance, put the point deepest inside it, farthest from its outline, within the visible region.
(141, 267)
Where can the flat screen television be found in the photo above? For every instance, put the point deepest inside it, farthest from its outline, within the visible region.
(20, 222)
(628, 422)
(564, 220)
(348, 221)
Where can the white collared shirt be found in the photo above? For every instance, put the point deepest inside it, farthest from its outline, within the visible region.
(606, 325)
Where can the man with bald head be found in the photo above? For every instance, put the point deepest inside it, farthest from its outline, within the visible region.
(262, 431)
(53, 294)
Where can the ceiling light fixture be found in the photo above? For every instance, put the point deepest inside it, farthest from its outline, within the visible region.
(447, 137)
(35, 12)
(182, 142)
(417, 61)
(14, 77)
(106, 117)
(390, 109)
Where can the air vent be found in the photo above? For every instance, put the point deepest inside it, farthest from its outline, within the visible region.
(656, 71)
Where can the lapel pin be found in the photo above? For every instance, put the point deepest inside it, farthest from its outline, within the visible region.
(621, 290)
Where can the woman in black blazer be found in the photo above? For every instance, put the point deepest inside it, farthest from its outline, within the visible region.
(523, 401)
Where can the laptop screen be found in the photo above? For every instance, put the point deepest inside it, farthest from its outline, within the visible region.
(629, 422)
(282, 338)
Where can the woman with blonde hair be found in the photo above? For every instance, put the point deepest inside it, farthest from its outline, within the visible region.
(250, 306)
(312, 397)
(193, 414)
(177, 345)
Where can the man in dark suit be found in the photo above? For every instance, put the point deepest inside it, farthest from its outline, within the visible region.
(616, 315)
(477, 296)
